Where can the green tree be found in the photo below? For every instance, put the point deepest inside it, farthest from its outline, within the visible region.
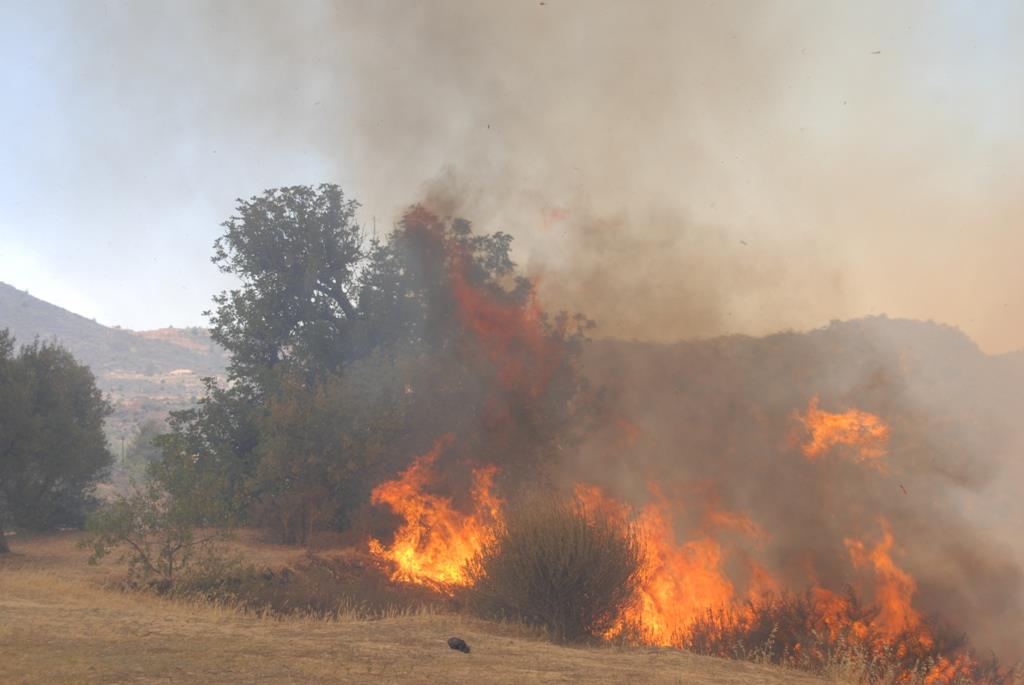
(52, 447)
(297, 252)
(12, 420)
(319, 323)
(323, 446)
(143, 448)
(210, 450)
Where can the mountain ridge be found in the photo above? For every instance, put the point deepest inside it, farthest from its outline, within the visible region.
(144, 373)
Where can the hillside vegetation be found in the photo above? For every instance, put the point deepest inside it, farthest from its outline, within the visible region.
(146, 374)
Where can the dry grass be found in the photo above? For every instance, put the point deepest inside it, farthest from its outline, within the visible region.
(60, 623)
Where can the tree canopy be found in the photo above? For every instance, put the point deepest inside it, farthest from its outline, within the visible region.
(352, 354)
(52, 446)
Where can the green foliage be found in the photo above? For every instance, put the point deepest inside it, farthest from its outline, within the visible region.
(297, 251)
(350, 356)
(143, 449)
(322, 445)
(210, 450)
(52, 446)
(557, 566)
(154, 533)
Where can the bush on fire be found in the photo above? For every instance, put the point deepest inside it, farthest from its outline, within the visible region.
(560, 567)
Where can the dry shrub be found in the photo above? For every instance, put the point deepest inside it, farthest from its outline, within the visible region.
(316, 586)
(559, 567)
(154, 534)
(785, 630)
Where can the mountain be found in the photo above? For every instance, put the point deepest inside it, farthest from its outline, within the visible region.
(145, 374)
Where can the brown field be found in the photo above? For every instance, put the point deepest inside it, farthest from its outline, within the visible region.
(61, 623)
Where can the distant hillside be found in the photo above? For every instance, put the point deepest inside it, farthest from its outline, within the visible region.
(107, 349)
(145, 373)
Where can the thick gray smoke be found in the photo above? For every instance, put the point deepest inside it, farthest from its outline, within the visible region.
(716, 420)
(673, 170)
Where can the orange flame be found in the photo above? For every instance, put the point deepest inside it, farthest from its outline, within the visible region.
(894, 588)
(508, 325)
(511, 334)
(552, 216)
(434, 543)
(684, 589)
(865, 433)
(681, 583)
(628, 433)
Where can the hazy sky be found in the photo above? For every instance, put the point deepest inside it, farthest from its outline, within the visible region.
(673, 169)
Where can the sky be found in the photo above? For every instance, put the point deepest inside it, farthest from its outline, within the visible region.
(672, 169)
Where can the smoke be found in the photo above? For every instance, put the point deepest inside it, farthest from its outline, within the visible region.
(600, 142)
(692, 169)
(672, 170)
(713, 423)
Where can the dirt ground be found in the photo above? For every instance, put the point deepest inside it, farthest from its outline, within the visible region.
(60, 624)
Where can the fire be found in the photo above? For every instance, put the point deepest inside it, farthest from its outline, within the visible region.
(682, 583)
(436, 540)
(894, 588)
(864, 433)
(628, 433)
(686, 597)
(511, 334)
(893, 616)
(553, 216)
(508, 325)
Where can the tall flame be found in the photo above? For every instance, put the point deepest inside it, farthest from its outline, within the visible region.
(681, 583)
(509, 326)
(894, 588)
(436, 540)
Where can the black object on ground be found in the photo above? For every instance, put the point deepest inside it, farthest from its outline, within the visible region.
(459, 644)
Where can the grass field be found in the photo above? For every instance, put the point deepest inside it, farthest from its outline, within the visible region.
(60, 623)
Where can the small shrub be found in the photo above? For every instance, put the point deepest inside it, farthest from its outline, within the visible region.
(559, 567)
(157, 539)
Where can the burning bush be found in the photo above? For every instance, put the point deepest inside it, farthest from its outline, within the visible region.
(558, 566)
(840, 637)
